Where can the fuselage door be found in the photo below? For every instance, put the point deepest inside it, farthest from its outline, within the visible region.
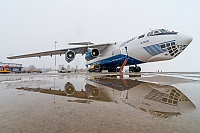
(123, 50)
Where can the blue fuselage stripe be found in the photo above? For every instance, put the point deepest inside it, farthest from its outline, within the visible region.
(116, 60)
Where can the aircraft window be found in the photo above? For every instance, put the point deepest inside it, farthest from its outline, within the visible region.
(176, 99)
(177, 54)
(164, 99)
(156, 32)
(151, 33)
(169, 101)
(141, 36)
(162, 46)
(164, 31)
(173, 43)
(168, 44)
(160, 32)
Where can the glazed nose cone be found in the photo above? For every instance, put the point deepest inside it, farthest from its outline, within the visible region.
(183, 39)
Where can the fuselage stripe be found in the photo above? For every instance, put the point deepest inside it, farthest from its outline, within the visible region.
(116, 60)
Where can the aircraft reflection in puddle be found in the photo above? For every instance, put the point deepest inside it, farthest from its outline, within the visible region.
(161, 101)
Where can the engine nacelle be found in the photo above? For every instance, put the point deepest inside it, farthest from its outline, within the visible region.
(70, 55)
(91, 90)
(91, 54)
(69, 88)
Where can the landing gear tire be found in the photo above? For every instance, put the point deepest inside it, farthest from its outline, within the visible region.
(135, 69)
(132, 69)
(112, 69)
(138, 69)
(117, 69)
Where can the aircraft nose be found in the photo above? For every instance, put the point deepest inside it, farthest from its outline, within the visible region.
(183, 39)
(186, 106)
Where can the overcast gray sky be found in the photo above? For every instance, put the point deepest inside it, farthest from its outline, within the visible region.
(28, 26)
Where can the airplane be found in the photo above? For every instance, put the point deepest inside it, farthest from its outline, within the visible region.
(156, 45)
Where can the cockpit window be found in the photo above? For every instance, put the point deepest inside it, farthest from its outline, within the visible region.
(165, 31)
(160, 32)
(157, 32)
(141, 36)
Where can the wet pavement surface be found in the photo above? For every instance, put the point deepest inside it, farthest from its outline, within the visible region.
(145, 102)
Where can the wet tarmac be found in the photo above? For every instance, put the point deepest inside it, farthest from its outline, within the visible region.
(144, 102)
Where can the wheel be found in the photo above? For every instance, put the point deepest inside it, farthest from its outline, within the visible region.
(132, 69)
(111, 69)
(138, 69)
(135, 69)
(117, 69)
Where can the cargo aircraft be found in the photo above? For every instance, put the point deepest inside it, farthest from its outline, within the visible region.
(156, 45)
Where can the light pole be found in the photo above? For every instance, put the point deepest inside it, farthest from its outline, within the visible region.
(55, 55)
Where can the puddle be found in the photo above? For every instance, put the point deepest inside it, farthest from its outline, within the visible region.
(119, 103)
(161, 101)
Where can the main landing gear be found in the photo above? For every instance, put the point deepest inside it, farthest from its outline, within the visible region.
(134, 68)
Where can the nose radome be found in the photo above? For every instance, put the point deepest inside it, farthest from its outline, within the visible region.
(186, 106)
(183, 39)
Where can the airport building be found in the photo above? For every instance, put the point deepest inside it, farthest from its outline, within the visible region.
(13, 67)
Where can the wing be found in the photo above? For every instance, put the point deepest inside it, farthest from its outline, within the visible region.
(78, 50)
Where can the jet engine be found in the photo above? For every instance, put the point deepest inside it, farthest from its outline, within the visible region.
(70, 55)
(69, 88)
(91, 54)
(91, 90)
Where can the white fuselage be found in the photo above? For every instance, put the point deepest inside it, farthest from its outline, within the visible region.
(156, 45)
(142, 49)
